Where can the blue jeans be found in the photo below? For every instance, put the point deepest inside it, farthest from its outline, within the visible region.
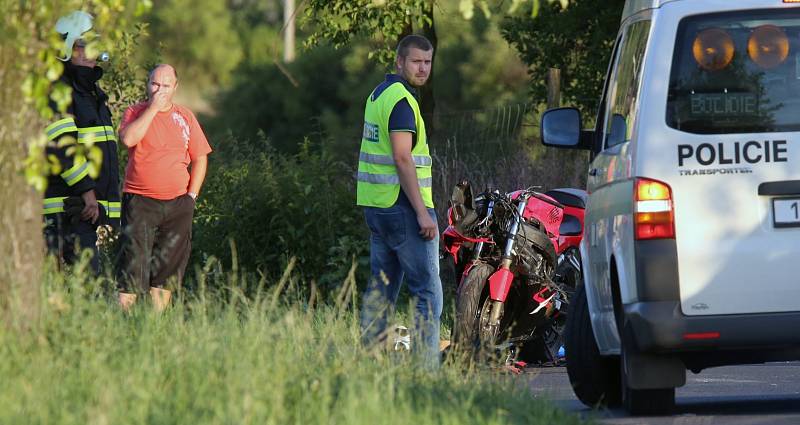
(396, 251)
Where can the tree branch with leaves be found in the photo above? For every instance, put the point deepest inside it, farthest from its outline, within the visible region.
(29, 66)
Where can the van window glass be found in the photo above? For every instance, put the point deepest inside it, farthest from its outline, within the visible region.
(599, 134)
(624, 89)
(736, 73)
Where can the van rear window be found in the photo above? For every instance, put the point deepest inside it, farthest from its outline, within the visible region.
(736, 73)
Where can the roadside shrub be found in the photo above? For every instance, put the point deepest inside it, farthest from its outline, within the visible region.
(274, 206)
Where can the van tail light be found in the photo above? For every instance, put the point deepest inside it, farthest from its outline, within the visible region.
(655, 215)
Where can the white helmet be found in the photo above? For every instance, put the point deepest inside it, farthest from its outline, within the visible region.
(71, 27)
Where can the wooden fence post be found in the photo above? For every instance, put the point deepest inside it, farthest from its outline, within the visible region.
(553, 88)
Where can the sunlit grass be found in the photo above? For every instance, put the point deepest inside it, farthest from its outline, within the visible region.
(227, 359)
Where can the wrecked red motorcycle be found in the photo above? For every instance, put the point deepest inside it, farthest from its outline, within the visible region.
(517, 261)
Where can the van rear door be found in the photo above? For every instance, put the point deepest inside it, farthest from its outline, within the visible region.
(733, 109)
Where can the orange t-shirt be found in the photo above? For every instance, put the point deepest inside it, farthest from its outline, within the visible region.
(158, 164)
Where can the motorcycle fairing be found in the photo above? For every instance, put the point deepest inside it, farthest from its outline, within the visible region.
(546, 211)
(452, 241)
(500, 284)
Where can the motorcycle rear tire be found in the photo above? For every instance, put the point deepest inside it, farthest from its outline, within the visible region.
(471, 295)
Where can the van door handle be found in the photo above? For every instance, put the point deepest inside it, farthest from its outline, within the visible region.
(593, 172)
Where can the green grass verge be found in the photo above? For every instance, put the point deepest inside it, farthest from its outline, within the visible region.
(229, 360)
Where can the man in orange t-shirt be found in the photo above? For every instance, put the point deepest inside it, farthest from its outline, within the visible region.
(167, 161)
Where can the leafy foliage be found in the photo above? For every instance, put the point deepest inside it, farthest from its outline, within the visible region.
(29, 66)
(276, 206)
(475, 68)
(39, 47)
(341, 21)
(258, 24)
(578, 40)
(328, 99)
(198, 38)
(467, 7)
(125, 77)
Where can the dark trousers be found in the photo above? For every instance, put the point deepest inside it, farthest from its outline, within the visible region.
(156, 241)
(66, 240)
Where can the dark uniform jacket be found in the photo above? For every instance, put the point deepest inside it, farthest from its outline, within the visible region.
(87, 118)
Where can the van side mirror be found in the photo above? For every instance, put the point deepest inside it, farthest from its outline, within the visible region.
(561, 128)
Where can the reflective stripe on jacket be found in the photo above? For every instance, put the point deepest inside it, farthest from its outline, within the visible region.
(87, 122)
(56, 205)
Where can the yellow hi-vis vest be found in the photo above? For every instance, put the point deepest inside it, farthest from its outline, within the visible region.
(378, 181)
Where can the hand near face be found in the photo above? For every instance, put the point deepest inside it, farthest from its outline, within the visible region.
(160, 99)
(161, 86)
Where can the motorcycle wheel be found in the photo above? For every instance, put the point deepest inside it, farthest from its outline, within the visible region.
(471, 297)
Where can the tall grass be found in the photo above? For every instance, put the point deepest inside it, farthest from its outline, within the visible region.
(227, 359)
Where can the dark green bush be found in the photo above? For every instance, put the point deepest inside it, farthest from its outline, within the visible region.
(319, 96)
(274, 206)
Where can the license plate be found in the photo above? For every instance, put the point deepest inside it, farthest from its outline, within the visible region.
(786, 212)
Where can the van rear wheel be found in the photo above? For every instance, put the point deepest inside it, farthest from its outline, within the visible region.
(595, 379)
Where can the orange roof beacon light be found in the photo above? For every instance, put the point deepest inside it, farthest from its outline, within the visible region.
(713, 49)
(768, 46)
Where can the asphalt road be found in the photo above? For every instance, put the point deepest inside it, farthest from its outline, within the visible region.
(734, 395)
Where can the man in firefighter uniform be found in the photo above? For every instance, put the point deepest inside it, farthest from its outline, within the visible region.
(395, 189)
(76, 204)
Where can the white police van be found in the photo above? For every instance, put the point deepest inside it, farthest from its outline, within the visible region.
(691, 249)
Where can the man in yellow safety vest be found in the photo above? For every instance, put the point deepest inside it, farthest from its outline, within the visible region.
(395, 189)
